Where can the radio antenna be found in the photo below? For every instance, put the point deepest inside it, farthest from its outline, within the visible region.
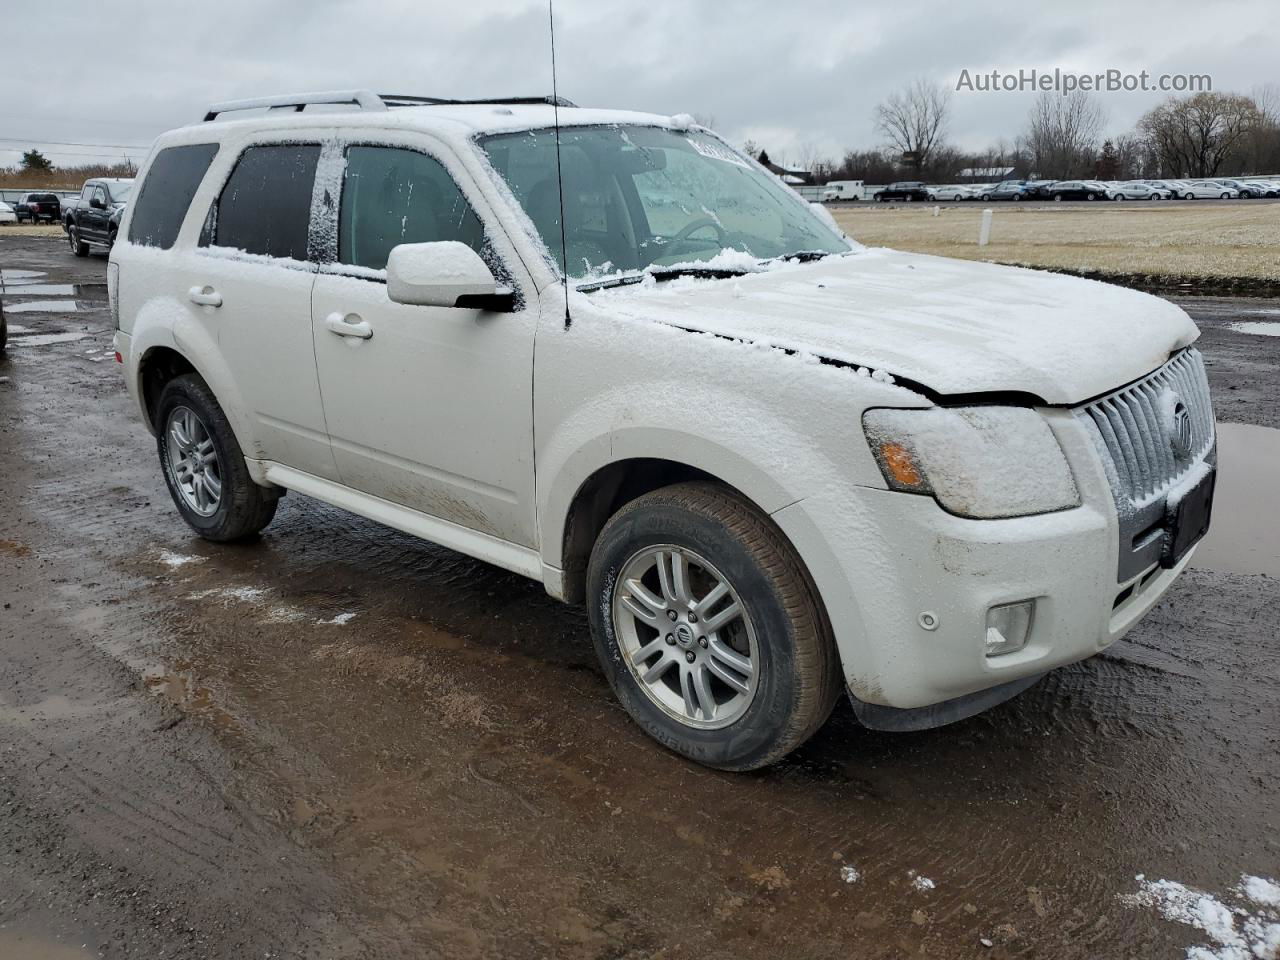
(555, 106)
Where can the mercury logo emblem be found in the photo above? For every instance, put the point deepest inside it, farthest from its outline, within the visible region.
(684, 635)
(1180, 429)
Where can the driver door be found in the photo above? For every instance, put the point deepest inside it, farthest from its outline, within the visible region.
(433, 409)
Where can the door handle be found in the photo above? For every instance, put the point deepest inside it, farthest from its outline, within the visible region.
(205, 296)
(348, 325)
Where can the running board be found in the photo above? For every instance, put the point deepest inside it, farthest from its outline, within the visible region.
(482, 546)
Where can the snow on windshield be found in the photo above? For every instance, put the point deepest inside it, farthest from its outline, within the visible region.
(638, 197)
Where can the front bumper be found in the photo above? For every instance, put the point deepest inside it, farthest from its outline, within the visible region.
(883, 560)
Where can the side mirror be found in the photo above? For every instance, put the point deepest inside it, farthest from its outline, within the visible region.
(96, 203)
(446, 273)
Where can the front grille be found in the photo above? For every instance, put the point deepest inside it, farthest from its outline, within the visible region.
(1134, 428)
(1136, 433)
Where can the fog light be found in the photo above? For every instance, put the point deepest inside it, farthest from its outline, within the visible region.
(1008, 627)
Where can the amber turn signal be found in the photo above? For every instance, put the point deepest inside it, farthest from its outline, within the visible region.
(901, 466)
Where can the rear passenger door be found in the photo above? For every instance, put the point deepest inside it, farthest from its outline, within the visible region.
(250, 285)
(434, 411)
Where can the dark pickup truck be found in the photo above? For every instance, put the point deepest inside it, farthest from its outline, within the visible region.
(94, 216)
(38, 206)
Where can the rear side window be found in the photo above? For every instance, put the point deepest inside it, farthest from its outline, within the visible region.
(265, 208)
(392, 196)
(166, 194)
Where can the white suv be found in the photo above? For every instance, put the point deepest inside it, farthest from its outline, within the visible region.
(774, 464)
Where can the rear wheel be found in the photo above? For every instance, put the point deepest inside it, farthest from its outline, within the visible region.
(709, 629)
(78, 246)
(204, 466)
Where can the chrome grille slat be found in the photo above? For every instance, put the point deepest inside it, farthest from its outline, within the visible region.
(1129, 429)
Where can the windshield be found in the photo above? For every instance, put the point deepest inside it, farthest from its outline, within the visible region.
(637, 197)
(119, 191)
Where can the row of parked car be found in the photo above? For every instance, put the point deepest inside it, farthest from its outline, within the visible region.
(91, 218)
(1016, 190)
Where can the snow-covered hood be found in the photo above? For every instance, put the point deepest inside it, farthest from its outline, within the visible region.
(955, 326)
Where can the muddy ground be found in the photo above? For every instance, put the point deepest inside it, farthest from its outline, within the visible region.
(339, 741)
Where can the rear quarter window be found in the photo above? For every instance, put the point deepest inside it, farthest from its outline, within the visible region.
(265, 207)
(166, 193)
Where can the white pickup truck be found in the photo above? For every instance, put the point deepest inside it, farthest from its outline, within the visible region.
(609, 352)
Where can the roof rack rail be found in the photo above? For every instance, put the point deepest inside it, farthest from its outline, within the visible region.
(297, 101)
(406, 100)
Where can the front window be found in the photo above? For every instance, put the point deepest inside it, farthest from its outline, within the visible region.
(638, 197)
(391, 196)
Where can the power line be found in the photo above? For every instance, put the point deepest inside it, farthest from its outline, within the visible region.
(80, 153)
(75, 143)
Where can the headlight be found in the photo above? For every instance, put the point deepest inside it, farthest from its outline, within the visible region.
(982, 462)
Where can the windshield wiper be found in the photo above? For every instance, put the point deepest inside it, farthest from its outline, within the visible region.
(592, 285)
(702, 273)
(663, 273)
(805, 256)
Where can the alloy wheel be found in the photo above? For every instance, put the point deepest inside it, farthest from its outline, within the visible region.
(194, 468)
(686, 636)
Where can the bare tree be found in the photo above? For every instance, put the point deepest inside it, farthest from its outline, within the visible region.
(1195, 136)
(914, 120)
(1062, 133)
(809, 158)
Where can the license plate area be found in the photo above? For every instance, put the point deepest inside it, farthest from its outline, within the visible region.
(1188, 520)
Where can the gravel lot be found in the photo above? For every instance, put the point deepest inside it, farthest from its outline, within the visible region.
(342, 742)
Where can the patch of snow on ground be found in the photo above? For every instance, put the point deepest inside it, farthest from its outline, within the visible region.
(1261, 328)
(231, 594)
(850, 874)
(923, 883)
(338, 621)
(1248, 931)
(176, 560)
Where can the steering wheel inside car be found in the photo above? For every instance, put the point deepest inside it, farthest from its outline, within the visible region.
(694, 226)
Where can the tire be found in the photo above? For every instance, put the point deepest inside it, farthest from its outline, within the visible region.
(1118, 197)
(78, 246)
(1057, 198)
(242, 508)
(782, 632)
(877, 198)
(1225, 196)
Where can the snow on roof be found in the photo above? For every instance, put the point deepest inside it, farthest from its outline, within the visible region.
(459, 119)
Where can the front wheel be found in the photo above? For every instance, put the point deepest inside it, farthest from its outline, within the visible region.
(78, 246)
(709, 629)
(204, 466)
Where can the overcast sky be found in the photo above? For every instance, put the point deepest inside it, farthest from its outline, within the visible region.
(787, 75)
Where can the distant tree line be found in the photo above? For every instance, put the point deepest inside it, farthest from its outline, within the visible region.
(1064, 137)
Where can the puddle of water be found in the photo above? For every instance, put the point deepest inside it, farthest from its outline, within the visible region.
(15, 277)
(1262, 328)
(22, 946)
(177, 685)
(43, 306)
(46, 289)
(44, 339)
(1245, 533)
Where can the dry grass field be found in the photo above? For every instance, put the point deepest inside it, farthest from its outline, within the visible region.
(1222, 242)
(29, 230)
